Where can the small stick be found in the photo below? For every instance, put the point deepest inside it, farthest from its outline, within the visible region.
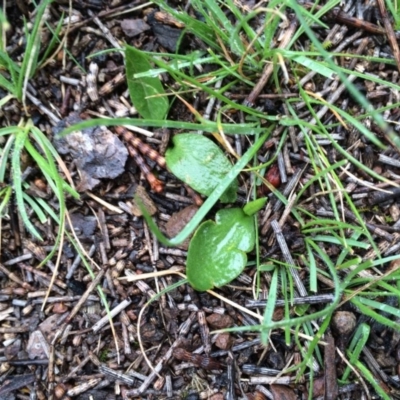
(269, 68)
(82, 363)
(317, 299)
(54, 119)
(288, 258)
(344, 18)
(282, 168)
(204, 331)
(178, 198)
(77, 261)
(13, 277)
(374, 365)
(65, 102)
(168, 385)
(111, 84)
(35, 271)
(99, 324)
(389, 160)
(16, 329)
(331, 386)
(155, 372)
(115, 375)
(91, 81)
(84, 297)
(125, 339)
(185, 326)
(104, 228)
(270, 380)
(197, 360)
(251, 369)
(84, 386)
(230, 372)
(16, 260)
(264, 391)
(106, 32)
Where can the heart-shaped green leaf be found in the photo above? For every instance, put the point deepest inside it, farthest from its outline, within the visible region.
(217, 251)
(200, 163)
(147, 93)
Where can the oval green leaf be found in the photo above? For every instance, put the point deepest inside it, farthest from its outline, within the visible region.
(201, 164)
(217, 251)
(254, 206)
(146, 93)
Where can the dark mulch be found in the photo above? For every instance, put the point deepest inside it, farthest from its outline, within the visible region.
(64, 347)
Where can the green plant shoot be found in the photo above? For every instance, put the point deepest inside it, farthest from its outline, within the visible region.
(147, 93)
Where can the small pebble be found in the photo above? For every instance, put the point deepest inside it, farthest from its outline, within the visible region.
(344, 322)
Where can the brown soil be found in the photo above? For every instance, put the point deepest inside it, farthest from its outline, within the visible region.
(57, 339)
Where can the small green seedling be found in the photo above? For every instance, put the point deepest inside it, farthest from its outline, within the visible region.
(217, 251)
(228, 239)
(201, 164)
(147, 93)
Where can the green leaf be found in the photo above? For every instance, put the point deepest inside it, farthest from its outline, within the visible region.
(315, 66)
(217, 251)
(254, 206)
(147, 93)
(201, 164)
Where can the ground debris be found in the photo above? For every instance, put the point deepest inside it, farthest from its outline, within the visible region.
(58, 339)
(134, 27)
(97, 152)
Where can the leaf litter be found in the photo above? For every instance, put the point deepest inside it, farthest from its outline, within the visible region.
(97, 152)
(83, 362)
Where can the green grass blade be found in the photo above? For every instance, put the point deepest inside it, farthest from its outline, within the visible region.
(365, 372)
(54, 39)
(356, 346)
(338, 241)
(4, 157)
(17, 182)
(312, 267)
(5, 195)
(30, 60)
(206, 126)
(270, 307)
(13, 69)
(360, 99)
(7, 85)
(52, 155)
(385, 308)
(370, 313)
(48, 209)
(35, 207)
